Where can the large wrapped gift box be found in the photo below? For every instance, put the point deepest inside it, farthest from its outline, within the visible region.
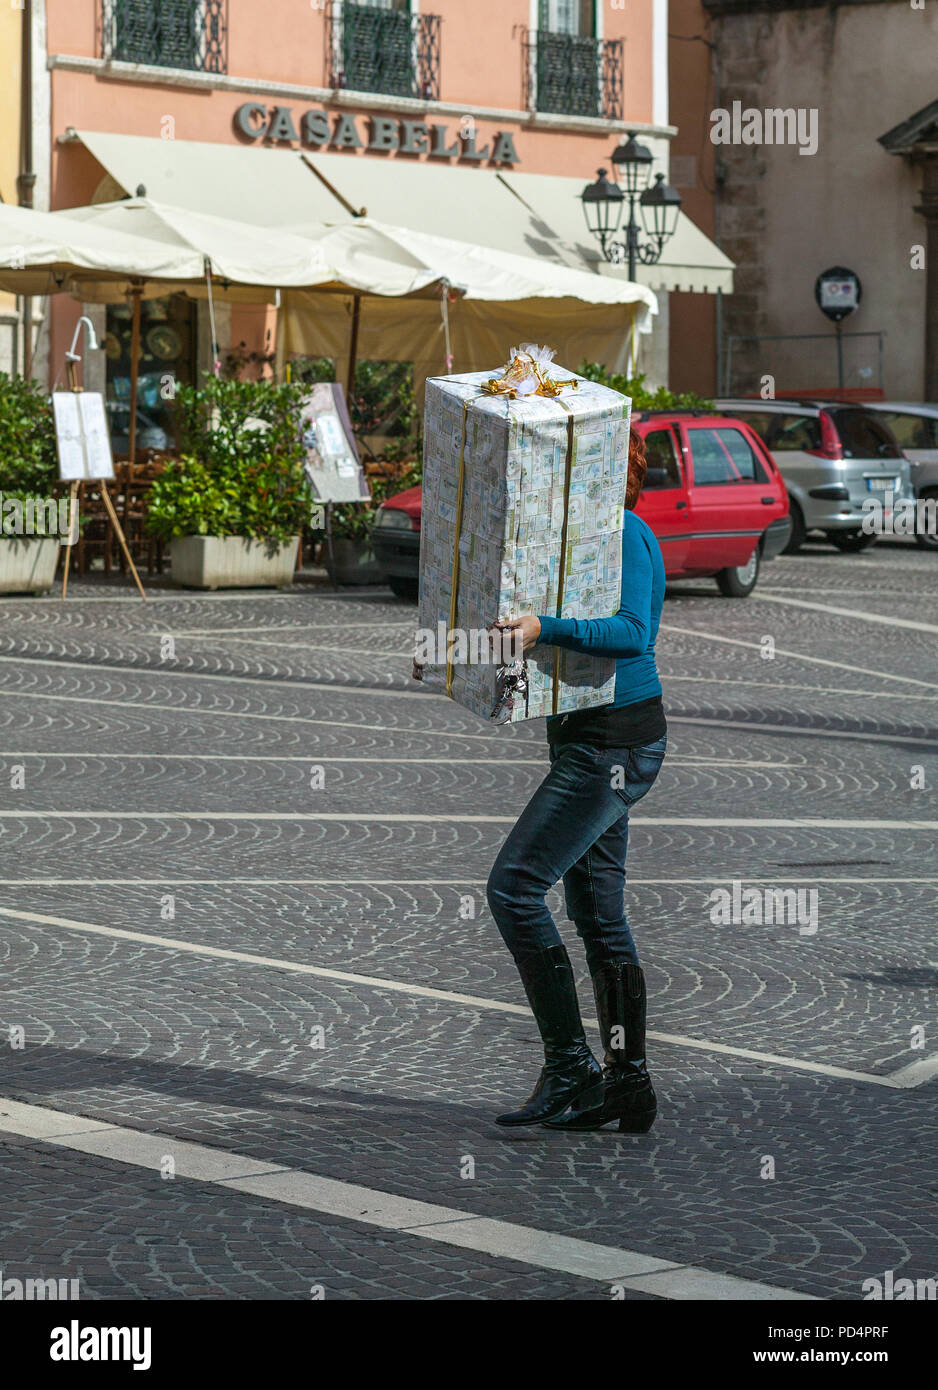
(522, 513)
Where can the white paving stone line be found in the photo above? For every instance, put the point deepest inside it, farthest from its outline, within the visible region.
(895, 880)
(418, 818)
(386, 1210)
(390, 731)
(884, 618)
(798, 656)
(674, 759)
(907, 1078)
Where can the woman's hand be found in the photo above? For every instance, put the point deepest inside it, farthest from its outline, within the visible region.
(525, 630)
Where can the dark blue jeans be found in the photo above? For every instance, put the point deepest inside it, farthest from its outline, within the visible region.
(575, 827)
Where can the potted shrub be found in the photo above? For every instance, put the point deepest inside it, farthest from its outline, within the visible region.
(233, 506)
(352, 523)
(32, 521)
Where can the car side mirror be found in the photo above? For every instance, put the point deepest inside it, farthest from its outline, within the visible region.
(657, 477)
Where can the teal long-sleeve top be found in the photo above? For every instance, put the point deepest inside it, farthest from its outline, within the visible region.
(631, 634)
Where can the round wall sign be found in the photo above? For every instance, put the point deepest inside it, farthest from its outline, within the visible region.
(838, 292)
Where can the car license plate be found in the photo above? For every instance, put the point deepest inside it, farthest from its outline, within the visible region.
(881, 484)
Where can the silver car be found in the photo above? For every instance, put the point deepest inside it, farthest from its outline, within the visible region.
(916, 429)
(833, 458)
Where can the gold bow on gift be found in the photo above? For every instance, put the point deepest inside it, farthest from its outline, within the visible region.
(526, 375)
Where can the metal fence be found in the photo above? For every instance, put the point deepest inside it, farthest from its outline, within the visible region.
(845, 362)
(392, 52)
(190, 34)
(571, 75)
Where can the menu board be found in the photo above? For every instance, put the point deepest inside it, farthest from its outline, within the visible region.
(332, 464)
(81, 434)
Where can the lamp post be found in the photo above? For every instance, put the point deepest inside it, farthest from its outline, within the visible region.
(604, 204)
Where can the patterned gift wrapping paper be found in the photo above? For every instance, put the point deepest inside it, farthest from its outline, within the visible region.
(510, 539)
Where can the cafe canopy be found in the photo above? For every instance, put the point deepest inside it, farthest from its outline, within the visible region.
(503, 298)
(442, 303)
(240, 258)
(42, 253)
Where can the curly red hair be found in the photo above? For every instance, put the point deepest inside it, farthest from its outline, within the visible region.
(638, 467)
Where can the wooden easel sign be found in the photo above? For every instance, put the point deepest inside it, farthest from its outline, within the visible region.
(84, 449)
(82, 436)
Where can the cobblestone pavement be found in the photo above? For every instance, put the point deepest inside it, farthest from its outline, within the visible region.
(255, 775)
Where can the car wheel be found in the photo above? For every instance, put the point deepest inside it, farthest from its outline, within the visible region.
(403, 588)
(798, 532)
(927, 536)
(850, 541)
(739, 580)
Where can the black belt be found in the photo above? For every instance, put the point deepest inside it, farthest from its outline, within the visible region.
(611, 726)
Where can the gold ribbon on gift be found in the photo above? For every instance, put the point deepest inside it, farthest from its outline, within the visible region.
(454, 590)
(523, 367)
(562, 572)
(460, 488)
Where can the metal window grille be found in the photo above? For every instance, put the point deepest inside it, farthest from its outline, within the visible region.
(572, 75)
(190, 34)
(371, 48)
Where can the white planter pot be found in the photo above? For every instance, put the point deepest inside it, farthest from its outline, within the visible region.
(27, 566)
(231, 562)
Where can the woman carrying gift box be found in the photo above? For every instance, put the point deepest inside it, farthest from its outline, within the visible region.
(576, 828)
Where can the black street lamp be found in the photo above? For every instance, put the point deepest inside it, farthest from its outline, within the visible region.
(659, 205)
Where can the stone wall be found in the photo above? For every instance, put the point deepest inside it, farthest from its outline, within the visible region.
(784, 217)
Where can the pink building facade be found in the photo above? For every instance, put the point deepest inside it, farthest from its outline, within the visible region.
(501, 87)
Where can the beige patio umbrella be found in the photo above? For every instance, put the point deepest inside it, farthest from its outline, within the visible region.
(240, 261)
(503, 297)
(42, 253)
(236, 261)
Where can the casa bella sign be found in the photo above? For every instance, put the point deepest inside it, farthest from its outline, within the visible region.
(318, 130)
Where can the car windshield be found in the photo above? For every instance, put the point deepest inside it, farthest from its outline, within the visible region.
(793, 432)
(864, 437)
(912, 431)
(759, 420)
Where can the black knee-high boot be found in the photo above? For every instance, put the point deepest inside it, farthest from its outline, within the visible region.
(571, 1072)
(628, 1095)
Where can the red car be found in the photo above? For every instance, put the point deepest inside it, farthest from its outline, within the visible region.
(713, 497)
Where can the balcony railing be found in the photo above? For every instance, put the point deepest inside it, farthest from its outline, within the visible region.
(569, 75)
(393, 52)
(190, 34)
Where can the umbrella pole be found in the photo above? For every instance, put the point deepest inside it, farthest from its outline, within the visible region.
(353, 345)
(136, 293)
(71, 373)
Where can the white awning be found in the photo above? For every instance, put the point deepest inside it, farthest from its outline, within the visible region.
(525, 214)
(691, 261)
(267, 187)
(444, 200)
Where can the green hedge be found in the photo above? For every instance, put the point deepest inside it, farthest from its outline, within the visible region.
(241, 469)
(643, 399)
